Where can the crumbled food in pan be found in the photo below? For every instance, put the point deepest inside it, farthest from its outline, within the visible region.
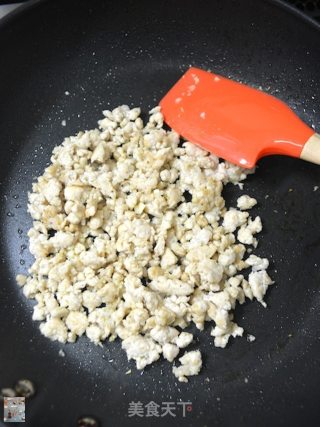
(132, 239)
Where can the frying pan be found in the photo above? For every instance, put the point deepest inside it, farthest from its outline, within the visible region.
(105, 53)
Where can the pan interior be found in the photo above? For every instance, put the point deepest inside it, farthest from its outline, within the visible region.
(69, 61)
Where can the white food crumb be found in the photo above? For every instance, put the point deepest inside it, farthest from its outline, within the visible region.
(142, 349)
(246, 233)
(246, 202)
(63, 123)
(191, 364)
(170, 351)
(251, 338)
(259, 282)
(257, 263)
(21, 279)
(184, 339)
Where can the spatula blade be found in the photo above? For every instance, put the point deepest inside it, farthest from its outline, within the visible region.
(232, 120)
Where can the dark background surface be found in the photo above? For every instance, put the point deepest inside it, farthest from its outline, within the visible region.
(107, 53)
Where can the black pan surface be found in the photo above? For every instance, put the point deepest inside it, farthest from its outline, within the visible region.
(106, 53)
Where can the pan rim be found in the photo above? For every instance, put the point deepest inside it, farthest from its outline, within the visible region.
(295, 11)
(20, 10)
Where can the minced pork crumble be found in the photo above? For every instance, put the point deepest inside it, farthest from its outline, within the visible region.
(132, 239)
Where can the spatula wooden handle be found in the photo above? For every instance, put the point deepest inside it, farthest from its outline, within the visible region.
(311, 149)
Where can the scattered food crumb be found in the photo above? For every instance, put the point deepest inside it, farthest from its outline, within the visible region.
(7, 392)
(246, 202)
(62, 353)
(67, 93)
(246, 380)
(24, 388)
(251, 338)
(315, 188)
(191, 364)
(128, 372)
(63, 123)
(87, 422)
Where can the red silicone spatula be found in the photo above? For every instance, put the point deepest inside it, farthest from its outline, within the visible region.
(236, 122)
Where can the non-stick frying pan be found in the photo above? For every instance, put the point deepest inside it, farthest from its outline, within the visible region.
(106, 53)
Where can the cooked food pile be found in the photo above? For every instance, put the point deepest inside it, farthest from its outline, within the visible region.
(132, 239)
